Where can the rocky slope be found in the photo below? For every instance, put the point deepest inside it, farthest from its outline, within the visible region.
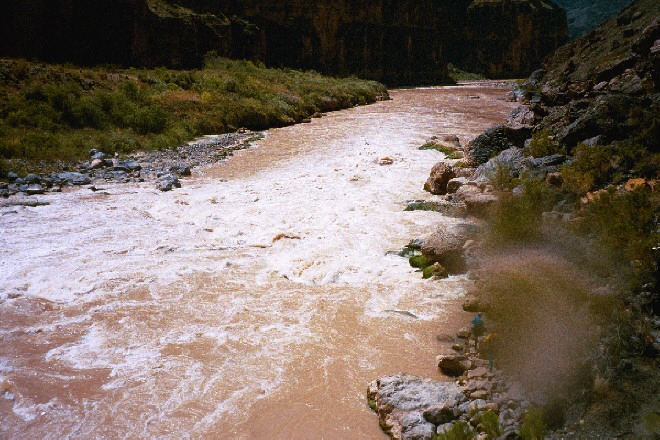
(566, 271)
(403, 42)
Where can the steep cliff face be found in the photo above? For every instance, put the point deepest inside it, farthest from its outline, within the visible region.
(509, 38)
(397, 42)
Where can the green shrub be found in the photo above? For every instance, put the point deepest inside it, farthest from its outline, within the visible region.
(543, 144)
(517, 218)
(533, 427)
(491, 424)
(458, 431)
(57, 112)
(502, 178)
(624, 222)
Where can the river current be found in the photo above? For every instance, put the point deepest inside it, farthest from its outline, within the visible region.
(257, 301)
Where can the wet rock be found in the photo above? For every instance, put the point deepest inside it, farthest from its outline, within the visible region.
(415, 427)
(455, 183)
(34, 189)
(420, 261)
(436, 270)
(181, 170)
(168, 182)
(441, 174)
(398, 396)
(453, 364)
(441, 413)
(446, 245)
(11, 176)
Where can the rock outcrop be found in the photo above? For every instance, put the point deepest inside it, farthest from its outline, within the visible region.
(405, 42)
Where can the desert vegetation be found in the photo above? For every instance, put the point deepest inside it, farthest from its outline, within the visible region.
(567, 278)
(58, 113)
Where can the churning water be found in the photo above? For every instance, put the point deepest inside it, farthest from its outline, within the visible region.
(255, 302)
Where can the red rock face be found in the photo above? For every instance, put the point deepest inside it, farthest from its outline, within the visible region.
(397, 42)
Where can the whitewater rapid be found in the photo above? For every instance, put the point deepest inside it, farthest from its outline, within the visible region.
(255, 301)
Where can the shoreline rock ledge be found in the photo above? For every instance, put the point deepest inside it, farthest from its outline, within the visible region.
(411, 407)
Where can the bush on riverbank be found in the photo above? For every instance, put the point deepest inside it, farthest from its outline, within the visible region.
(572, 301)
(50, 112)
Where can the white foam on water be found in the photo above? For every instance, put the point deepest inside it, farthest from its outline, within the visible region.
(232, 273)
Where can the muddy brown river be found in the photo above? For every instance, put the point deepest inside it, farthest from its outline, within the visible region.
(256, 302)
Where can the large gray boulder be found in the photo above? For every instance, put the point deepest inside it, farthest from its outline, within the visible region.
(402, 400)
(510, 160)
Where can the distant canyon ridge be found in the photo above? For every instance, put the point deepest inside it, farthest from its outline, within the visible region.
(394, 41)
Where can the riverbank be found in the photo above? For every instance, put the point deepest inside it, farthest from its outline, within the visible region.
(565, 267)
(52, 115)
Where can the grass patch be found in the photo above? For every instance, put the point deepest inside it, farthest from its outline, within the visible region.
(456, 74)
(449, 152)
(52, 112)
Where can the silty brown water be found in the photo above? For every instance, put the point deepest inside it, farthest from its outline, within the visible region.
(256, 302)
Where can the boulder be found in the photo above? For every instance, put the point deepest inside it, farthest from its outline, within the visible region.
(415, 427)
(441, 413)
(181, 169)
(441, 174)
(455, 183)
(96, 164)
(70, 178)
(401, 400)
(128, 166)
(489, 144)
(32, 178)
(511, 159)
(479, 204)
(168, 182)
(446, 245)
(95, 154)
(35, 188)
(453, 364)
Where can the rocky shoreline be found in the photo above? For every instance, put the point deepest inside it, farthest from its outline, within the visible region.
(162, 168)
(586, 134)
(478, 401)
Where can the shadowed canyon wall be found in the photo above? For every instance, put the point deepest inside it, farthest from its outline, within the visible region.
(397, 42)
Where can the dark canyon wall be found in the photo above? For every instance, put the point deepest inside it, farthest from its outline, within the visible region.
(395, 41)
